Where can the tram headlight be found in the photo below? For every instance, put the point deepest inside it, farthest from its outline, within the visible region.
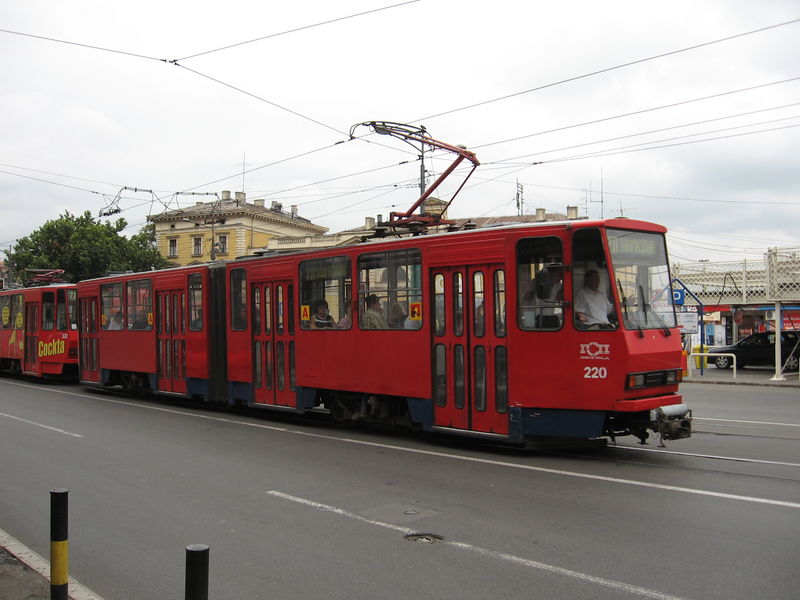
(653, 379)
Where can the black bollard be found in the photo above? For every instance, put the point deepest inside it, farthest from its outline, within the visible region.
(59, 564)
(197, 572)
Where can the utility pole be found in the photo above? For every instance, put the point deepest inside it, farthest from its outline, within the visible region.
(519, 199)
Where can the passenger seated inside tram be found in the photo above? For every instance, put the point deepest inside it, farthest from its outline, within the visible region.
(347, 319)
(551, 296)
(593, 309)
(373, 317)
(321, 319)
(397, 315)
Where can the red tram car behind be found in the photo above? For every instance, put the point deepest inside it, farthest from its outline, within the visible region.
(486, 333)
(39, 331)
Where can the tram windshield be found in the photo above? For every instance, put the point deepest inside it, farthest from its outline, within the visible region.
(641, 278)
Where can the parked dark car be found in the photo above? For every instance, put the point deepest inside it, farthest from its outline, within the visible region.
(759, 349)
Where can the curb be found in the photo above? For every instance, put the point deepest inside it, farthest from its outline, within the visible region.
(25, 555)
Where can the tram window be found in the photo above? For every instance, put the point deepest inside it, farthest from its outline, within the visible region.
(290, 307)
(279, 312)
(5, 311)
(440, 375)
(291, 366)
(390, 290)
(195, 302)
(478, 299)
(325, 293)
(459, 376)
(267, 309)
(48, 310)
(499, 303)
(17, 311)
(72, 303)
(593, 306)
(500, 379)
(111, 315)
(438, 305)
(540, 273)
(458, 304)
(61, 310)
(480, 378)
(238, 300)
(140, 305)
(256, 310)
(257, 362)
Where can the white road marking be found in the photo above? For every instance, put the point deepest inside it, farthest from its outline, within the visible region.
(617, 586)
(731, 458)
(485, 461)
(56, 429)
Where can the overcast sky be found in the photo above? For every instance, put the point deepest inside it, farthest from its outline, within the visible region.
(170, 110)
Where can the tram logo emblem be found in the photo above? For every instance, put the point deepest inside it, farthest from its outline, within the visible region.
(595, 351)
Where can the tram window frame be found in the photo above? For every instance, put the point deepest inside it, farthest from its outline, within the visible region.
(139, 303)
(499, 290)
(48, 311)
(328, 280)
(238, 299)
(439, 309)
(539, 259)
(5, 311)
(395, 278)
(72, 309)
(194, 282)
(61, 311)
(589, 254)
(111, 302)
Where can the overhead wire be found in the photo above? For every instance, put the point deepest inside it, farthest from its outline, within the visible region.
(608, 69)
(296, 29)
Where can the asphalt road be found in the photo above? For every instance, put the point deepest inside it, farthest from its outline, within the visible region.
(293, 509)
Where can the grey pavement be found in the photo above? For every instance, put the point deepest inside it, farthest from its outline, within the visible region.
(18, 581)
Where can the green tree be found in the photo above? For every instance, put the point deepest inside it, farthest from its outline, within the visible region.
(84, 248)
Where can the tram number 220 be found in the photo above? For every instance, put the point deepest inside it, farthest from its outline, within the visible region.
(595, 372)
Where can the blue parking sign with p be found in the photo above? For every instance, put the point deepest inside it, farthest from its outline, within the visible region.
(678, 297)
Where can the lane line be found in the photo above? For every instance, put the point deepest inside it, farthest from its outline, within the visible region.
(747, 422)
(56, 429)
(77, 591)
(485, 461)
(731, 458)
(617, 586)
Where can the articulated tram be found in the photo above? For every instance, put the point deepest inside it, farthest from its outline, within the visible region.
(513, 333)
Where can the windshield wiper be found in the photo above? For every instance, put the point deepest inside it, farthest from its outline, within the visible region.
(624, 299)
(647, 307)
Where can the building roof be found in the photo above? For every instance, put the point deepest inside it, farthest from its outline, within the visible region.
(228, 208)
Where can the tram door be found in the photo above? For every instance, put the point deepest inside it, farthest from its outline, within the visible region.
(89, 343)
(171, 340)
(273, 343)
(30, 363)
(469, 348)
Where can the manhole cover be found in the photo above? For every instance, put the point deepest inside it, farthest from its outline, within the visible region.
(424, 538)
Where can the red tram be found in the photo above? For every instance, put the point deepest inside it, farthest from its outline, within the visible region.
(39, 330)
(551, 330)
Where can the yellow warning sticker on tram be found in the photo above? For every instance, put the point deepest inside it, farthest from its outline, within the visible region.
(415, 311)
(305, 312)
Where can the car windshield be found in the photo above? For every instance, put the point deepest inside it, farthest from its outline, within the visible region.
(642, 279)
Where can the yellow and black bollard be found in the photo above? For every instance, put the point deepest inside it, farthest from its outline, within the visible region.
(59, 551)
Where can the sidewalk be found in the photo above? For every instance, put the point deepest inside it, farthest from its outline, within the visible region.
(747, 376)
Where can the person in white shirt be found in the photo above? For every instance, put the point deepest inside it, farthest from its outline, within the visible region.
(592, 306)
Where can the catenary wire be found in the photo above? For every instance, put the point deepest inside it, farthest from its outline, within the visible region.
(296, 29)
(606, 70)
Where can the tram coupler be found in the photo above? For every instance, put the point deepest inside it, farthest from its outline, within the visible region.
(671, 422)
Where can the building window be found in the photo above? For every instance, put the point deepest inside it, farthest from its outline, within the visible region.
(173, 247)
(197, 246)
(222, 244)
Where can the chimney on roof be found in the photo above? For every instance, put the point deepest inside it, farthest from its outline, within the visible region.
(226, 194)
(540, 214)
(241, 197)
(259, 202)
(572, 213)
(369, 223)
(276, 205)
(294, 211)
